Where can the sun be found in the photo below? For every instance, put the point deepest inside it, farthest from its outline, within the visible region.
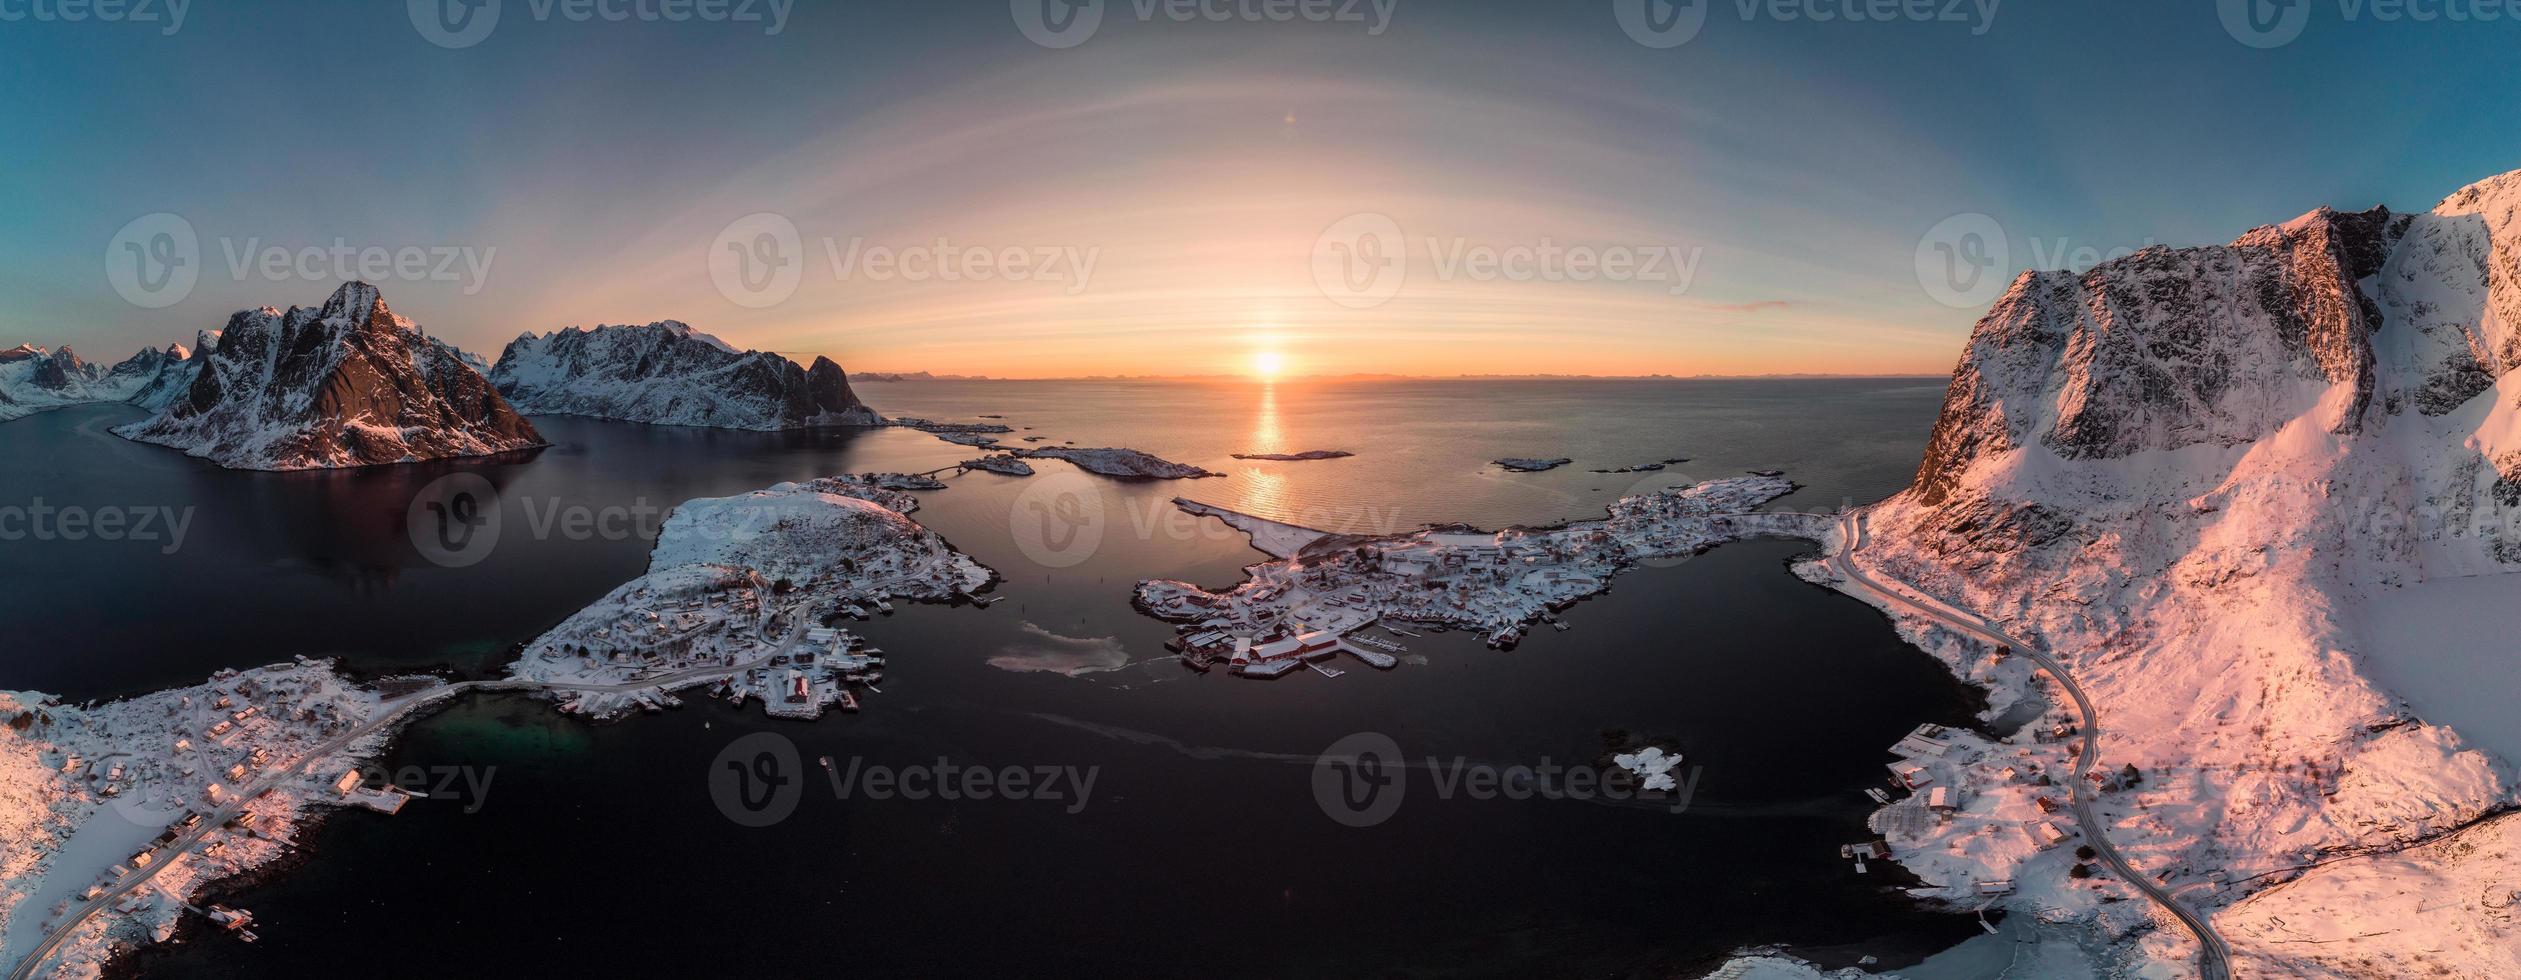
(1268, 365)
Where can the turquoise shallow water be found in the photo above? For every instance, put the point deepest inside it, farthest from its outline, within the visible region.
(1203, 851)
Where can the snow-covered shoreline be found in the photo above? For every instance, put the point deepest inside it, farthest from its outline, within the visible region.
(188, 786)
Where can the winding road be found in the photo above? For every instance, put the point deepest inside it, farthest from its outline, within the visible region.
(2214, 958)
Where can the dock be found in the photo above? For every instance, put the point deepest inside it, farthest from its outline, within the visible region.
(1379, 661)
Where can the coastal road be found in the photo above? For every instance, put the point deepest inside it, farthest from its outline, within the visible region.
(2214, 958)
(387, 714)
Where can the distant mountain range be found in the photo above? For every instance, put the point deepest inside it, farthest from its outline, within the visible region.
(33, 379)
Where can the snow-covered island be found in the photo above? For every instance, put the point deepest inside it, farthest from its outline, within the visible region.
(667, 373)
(737, 593)
(1310, 454)
(1126, 464)
(117, 814)
(1323, 586)
(1526, 464)
(346, 384)
(1001, 465)
(977, 434)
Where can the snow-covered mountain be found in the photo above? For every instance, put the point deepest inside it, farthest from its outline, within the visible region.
(346, 384)
(666, 373)
(2214, 482)
(33, 379)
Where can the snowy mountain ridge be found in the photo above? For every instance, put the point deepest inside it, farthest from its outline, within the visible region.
(666, 373)
(2203, 478)
(33, 379)
(350, 383)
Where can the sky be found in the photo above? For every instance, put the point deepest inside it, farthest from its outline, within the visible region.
(1167, 187)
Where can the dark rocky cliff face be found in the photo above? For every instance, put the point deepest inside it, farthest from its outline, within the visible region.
(2170, 348)
(346, 384)
(827, 389)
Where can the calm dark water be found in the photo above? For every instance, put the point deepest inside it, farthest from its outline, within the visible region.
(1202, 851)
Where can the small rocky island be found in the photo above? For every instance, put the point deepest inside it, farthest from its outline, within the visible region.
(1297, 457)
(1524, 464)
(1126, 464)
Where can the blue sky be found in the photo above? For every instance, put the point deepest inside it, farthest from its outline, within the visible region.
(590, 168)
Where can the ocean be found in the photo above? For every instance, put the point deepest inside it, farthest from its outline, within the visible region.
(1201, 849)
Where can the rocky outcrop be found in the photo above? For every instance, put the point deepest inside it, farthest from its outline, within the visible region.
(666, 373)
(346, 384)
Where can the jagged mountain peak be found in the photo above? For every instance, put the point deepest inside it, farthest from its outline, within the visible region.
(667, 373)
(349, 383)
